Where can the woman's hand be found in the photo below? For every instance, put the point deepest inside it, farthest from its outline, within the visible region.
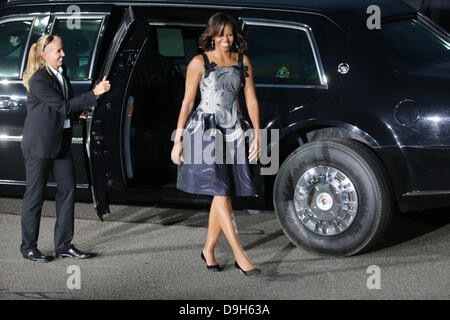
(85, 114)
(102, 87)
(254, 149)
(177, 153)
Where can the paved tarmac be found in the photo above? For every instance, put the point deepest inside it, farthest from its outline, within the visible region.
(153, 252)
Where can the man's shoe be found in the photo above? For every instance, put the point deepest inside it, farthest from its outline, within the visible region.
(73, 253)
(35, 255)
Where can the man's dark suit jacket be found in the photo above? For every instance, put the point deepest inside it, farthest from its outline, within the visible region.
(46, 111)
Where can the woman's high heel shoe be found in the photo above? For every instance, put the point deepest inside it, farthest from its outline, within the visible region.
(248, 273)
(215, 268)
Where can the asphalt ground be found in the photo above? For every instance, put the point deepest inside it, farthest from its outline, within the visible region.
(153, 252)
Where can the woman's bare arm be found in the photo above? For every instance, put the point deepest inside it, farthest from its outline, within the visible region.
(253, 109)
(250, 96)
(193, 75)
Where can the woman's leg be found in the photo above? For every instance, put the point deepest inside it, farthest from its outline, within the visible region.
(214, 230)
(223, 211)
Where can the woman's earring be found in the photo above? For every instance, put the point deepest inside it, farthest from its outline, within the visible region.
(212, 44)
(236, 46)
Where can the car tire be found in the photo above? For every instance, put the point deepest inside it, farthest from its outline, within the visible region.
(343, 201)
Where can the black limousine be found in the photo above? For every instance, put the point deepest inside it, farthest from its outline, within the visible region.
(357, 92)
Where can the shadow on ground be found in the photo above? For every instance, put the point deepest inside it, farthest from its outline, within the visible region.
(404, 226)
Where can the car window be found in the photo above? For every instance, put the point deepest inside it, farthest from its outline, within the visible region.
(409, 42)
(13, 39)
(281, 55)
(178, 44)
(78, 44)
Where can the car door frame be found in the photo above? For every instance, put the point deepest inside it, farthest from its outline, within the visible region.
(80, 86)
(102, 178)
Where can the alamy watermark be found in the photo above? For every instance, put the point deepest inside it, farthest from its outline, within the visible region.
(74, 21)
(374, 280)
(374, 20)
(74, 280)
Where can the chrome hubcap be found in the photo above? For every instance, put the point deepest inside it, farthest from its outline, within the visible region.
(325, 200)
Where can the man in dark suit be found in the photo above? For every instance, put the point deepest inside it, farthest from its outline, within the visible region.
(438, 11)
(46, 142)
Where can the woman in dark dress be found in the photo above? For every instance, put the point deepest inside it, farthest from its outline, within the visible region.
(220, 71)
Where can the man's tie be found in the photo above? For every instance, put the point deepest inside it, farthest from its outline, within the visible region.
(64, 87)
(65, 90)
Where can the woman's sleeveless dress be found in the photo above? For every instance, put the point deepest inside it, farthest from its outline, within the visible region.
(216, 138)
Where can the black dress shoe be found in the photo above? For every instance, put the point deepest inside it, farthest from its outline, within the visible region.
(35, 255)
(73, 253)
(247, 273)
(214, 268)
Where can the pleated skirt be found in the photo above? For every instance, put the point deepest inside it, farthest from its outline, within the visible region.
(216, 160)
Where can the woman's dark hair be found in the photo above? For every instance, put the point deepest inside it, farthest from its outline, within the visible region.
(215, 27)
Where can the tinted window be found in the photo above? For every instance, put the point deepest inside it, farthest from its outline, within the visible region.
(409, 42)
(157, 86)
(78, 44)
(178, 44)
(13, 39)
(281, 55)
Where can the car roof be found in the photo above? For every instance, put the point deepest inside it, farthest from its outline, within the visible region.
(349, 14)
(392, 7)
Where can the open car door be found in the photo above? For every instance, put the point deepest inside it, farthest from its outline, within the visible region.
(106, 129)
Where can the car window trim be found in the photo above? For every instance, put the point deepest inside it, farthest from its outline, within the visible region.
(20, 18)
(312, 42)
(423, 21)
(323, 84)
(84, 16)
(175, 24)
(19, 81)
(428, 24)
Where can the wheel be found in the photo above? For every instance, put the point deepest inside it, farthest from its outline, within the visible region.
(333, 197)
